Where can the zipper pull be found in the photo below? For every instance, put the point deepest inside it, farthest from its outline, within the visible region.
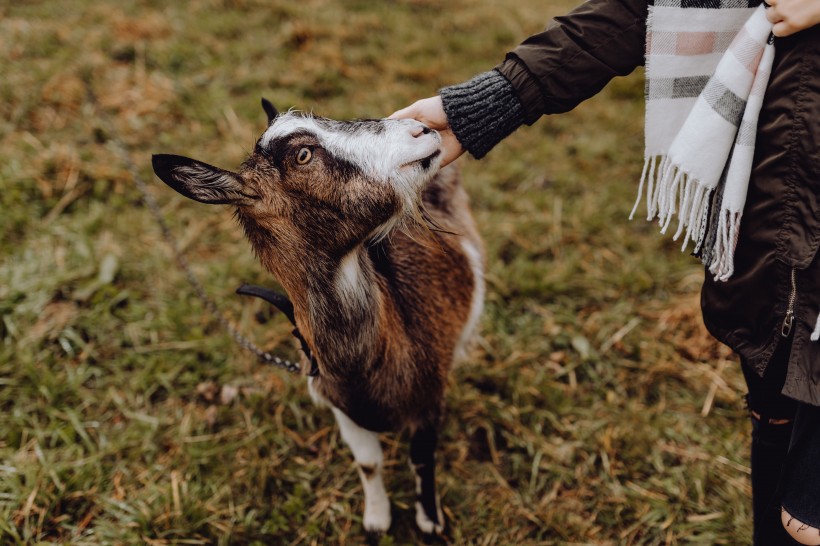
(788, 320)
(787, 323)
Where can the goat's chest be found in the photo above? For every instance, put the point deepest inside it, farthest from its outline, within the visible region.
(387, 402)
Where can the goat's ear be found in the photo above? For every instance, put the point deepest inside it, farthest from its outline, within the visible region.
(270, 109)
(199, 181)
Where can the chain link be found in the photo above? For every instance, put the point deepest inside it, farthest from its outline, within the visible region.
(122, 150)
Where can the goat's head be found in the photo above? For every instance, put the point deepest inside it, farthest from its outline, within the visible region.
(317, 184)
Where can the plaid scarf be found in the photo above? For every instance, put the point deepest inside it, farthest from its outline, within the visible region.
(707, 64)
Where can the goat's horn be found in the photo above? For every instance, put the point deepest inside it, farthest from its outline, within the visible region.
(270, 109)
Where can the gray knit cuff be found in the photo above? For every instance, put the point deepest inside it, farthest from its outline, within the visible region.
(482, 111)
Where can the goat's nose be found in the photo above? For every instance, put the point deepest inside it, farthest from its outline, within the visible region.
(418, 130)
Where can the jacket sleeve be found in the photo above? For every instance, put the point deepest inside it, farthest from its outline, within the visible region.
(549, 73)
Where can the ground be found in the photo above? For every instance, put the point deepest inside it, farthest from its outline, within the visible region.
(594, 409)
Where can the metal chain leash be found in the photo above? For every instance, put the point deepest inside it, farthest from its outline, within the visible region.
(125, 156)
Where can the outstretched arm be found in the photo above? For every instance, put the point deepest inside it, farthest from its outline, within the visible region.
(550, 72)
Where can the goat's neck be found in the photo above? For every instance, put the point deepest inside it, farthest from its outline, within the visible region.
(338, 305)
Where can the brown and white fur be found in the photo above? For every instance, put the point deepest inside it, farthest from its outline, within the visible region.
(384, 302)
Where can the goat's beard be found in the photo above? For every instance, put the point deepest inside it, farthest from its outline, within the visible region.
(409, 221)
(408, 188)
(399, 221)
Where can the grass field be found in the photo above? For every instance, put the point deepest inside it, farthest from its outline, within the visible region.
(594, 410)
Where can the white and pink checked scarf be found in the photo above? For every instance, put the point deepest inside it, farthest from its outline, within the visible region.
(707, 63)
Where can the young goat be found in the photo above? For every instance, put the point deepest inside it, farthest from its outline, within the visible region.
(383, 302)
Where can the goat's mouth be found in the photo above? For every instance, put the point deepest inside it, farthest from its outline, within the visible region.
(424, 162)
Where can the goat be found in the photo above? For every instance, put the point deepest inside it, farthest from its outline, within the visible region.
(383, 302)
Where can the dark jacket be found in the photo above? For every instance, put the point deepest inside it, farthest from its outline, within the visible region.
(577, 55)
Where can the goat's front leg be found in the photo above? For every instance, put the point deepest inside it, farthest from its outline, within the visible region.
(368, 454)
(423, 460)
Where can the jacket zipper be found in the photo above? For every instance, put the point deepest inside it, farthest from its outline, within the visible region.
(789, 318)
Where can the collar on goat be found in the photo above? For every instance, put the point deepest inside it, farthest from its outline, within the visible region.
(281, 302)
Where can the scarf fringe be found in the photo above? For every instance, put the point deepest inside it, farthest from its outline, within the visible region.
(671, 191)
(722, 265)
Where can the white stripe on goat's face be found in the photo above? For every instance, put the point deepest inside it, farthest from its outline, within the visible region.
(403, 154)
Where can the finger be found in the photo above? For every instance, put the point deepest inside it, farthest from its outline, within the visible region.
(451, 147)
(448, 158)
(772, 15)
(404, 113)
(782, 29)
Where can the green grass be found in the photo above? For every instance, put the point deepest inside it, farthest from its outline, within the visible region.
(594, 410)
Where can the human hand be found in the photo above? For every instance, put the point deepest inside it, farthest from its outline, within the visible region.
(430, 112)
(791, 16)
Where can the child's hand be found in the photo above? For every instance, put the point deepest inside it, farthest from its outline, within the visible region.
(791, 16)
(431, 113)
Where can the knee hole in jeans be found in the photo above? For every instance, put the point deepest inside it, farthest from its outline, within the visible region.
(799, 531)
(770, 420)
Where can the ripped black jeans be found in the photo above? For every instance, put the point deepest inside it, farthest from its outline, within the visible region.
(785, 453)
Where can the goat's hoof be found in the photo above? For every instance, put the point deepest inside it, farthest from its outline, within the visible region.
(373, 538)
(375, 527)
(427, 526)
(377, 517)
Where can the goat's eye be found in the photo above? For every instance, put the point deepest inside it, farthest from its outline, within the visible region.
(303, 156)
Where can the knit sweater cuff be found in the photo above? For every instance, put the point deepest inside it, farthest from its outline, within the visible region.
(482, 111)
